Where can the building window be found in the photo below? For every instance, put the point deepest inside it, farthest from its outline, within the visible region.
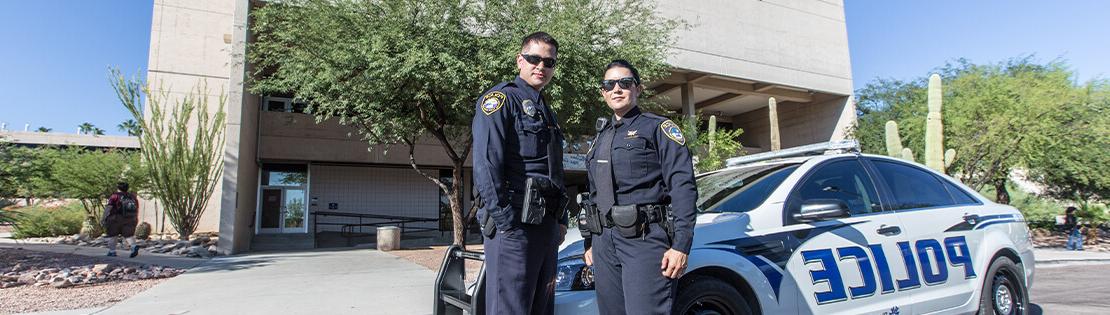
(283, 104)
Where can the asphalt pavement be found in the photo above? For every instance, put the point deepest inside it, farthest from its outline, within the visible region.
(1071, 288)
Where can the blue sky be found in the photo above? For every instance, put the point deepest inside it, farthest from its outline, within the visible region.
(56, 53)
(907, 39)
(55, 57)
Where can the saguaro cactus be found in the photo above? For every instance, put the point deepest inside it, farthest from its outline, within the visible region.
(934, 128)
(773, 112)
(907, 154)
(949, 157)
(893, 140)
(712, 130)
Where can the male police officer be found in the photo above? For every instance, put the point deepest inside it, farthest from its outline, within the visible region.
(518, 170)
(642, 182)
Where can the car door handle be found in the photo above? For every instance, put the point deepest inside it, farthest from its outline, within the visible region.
(889, 230)
(971, 218)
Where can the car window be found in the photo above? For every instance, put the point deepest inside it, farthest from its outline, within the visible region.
(740, 190)
(912, 187)
(960, 196)
(844, 180)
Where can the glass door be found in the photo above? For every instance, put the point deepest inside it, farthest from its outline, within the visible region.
(282, 193)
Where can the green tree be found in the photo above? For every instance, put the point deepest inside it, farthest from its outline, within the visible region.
(91, 177)
(25, 172)
(726, 144)
(181, 147)
(1077, 166)
(409, 71)
(130, 127)
(44, 129)
(86, 128)
(999, 117)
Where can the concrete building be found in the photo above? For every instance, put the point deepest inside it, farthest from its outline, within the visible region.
(40, 139)
(281, 167)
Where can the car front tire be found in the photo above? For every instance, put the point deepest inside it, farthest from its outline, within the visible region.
(1004, 290)
(703, 295)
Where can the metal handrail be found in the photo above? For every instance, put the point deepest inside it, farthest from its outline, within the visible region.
(347, 229)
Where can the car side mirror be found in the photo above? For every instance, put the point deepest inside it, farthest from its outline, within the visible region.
(821, 209)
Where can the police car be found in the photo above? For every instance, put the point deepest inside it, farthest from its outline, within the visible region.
(791, 232)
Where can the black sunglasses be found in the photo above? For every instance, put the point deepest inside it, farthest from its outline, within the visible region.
(534, 60)
(625, 83)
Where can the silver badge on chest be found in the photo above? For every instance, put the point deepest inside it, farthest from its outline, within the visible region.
(529, 108)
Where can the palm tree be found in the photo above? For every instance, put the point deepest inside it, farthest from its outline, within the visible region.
(97, 131)
(130, 127)
(85, 128)
(44, 129)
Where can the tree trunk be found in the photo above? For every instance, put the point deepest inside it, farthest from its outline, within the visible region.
(458, 220)
(1001, 194)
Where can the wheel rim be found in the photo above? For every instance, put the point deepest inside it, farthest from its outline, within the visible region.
(1008, 298)
(1003, 300)
(709, 305)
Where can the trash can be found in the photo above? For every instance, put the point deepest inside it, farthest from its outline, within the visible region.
(389, 238)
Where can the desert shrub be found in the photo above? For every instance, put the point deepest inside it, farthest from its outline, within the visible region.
(142, 231)
(45, 222)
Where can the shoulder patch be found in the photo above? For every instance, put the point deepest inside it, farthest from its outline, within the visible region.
(493, 102)
(672, 131)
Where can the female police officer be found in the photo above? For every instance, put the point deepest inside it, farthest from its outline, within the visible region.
(642, 181)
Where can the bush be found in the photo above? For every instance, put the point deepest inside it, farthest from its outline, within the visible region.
(142, 231)
(45, 222)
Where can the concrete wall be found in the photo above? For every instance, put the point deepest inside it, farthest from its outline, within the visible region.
(297, 137)
(799, 124)
(372, 190)
(199, 43)
(800, 43)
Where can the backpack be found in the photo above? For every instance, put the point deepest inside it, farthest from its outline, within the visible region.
(128, 207)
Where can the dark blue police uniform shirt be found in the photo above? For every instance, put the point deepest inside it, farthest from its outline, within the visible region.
(515, 133)
(651, 165)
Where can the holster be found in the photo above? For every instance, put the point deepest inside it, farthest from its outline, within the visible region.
(631, 220)
(487, 225)
(540, 198)
(589, 219)
(627, 220)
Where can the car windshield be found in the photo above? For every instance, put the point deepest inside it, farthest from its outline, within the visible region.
(742, 189)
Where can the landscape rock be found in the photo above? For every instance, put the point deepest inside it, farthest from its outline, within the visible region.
(61, 283)
(99, 268)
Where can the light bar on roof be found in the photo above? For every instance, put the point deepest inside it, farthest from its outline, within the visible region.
(838, 146)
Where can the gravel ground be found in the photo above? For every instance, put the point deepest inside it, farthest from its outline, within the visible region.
(46, 298)
(432, 257)
(37, 299)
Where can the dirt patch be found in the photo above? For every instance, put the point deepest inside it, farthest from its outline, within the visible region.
(68, 281)
(432, 257)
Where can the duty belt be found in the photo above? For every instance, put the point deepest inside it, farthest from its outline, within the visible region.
(653, 213)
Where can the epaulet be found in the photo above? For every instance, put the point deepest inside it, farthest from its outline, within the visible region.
(658, 118)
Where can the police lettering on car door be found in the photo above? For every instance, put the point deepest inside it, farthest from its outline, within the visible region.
(926, 262)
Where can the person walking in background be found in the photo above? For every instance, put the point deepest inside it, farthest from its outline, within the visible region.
(121, 215)
(1072, 227)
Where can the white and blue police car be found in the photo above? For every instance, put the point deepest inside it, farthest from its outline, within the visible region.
(822, 229)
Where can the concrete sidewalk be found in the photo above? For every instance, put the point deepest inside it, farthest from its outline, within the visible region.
(1054, 256)
(348, 281)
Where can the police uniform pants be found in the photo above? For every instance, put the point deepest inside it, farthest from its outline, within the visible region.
(520, 269)
(627, 273)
